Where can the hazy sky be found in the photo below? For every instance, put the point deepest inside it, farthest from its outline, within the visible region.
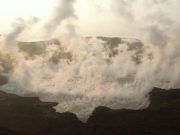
(95, 17)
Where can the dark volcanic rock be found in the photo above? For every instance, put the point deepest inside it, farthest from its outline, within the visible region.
(112, 41)
(36, 47)
(162, 117)
(29, 116)
(5, 131)
(3, 80)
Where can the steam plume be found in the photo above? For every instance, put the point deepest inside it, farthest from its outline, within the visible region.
(63, 10)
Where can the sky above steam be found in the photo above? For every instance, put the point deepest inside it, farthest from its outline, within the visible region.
(94, 17)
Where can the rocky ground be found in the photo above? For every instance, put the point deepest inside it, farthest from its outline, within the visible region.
(25, 115)
(30, 116)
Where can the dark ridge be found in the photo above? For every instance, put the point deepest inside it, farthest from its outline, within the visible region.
(36, 47)
(51, 41)
(3, 80)
(113, 41)
(162, 117)
(30, 116)
(162, 99)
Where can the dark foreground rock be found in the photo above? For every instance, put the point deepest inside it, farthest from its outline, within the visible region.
(29, 116)
(3, 80)
(162, 117)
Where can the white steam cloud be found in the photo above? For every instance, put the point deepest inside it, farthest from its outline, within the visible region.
(63, 10)
(18, 27)
(81, 73)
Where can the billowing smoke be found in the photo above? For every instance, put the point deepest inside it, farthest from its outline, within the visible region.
(81, 73)
(18, 27)
(63, 10)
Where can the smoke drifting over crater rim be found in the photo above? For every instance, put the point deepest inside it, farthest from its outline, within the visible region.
(81, 73)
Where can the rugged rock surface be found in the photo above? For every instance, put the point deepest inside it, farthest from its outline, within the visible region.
(162, 117)
(3, 80)
(29, 116)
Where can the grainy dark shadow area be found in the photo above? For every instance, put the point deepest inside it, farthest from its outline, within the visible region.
(30, 116)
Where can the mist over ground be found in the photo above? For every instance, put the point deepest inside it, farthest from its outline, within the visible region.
(53, 60)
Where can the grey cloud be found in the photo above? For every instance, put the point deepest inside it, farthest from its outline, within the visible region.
(64, 9)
